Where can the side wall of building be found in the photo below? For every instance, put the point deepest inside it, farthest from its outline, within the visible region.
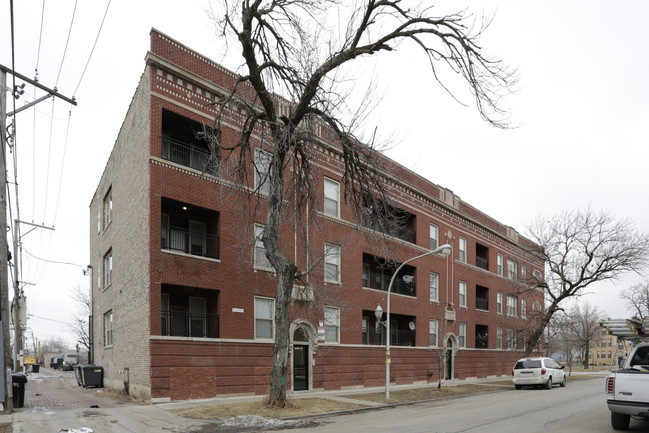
(125, 238)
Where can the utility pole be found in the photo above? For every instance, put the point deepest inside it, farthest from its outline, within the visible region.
(5, 377)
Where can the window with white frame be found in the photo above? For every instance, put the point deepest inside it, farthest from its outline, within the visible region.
(499, 338)
(434, 236)
(500, 264)
(463, 250)
(462, 298)
(511, 339)
(261, 261)
(523, 273)
(108, 329)
(108, 208)
(434, 287)
(332, 324)
(264, 318)
(512, 304)
(523, 309)
(512, 269)
(108, 269)
(462, 335)
(499, 303)
(262, 166)
(433, 327)
(332, 263)
(331, 197)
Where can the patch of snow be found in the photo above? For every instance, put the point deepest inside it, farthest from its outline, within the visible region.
(76, 430)
(257, 422)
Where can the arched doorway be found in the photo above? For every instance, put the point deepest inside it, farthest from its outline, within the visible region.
(449, 358)
(300, 360)
(304, 346)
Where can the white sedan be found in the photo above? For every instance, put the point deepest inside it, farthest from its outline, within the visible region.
(538, 372)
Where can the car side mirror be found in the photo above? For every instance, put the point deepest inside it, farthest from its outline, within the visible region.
(563, 366)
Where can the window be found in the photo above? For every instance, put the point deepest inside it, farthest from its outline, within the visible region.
(332, 324)
(432, 332)
(262, 166)
(434, 236)
(264, 318)
(462, 335)
(499, 303)
(462, 294)
(366, 275)
(523, 309)
(512, 304)
(523, 274)
(261, 261)
(463, 250)
(500, 265)
(511, 339)
(108, 269)
(332, 263)
(434, 287)
(499, 338)
(512, 269)
(108, 329)
(108, 208)
(331, 197)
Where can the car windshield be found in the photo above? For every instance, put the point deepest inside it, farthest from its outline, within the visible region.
(528, 363)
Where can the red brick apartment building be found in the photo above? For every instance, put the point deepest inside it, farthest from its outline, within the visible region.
(183, 299)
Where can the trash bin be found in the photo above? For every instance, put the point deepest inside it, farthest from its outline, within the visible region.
(18, 381)
(77, 373)
(36, 368)
(92, 375)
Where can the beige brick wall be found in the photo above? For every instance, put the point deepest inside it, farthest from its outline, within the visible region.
(127, 235)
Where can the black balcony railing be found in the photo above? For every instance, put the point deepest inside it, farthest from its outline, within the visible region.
(482, 304)
(403, 284)
(375, 337)
(184, 324)
(184, 154)
(389, 228)
(482, 263)
(190, 242)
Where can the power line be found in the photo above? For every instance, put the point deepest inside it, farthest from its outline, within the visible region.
(93, 48)
(40, 36)
(66, 44)
(55, 262)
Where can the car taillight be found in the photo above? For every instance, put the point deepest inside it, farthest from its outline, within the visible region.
(512, 372)
(610, 385)
(543, 371)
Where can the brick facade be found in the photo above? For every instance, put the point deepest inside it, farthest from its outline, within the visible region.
(184, 322)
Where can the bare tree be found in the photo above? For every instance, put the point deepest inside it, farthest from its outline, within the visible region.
(581, 248)
(637, 299)
(79, 325)
(289, 97)
(53, 345)
(579, 327)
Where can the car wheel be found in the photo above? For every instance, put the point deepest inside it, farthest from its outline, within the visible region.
(619, 421)
(563, 382)
(548, 384)
(517, 386)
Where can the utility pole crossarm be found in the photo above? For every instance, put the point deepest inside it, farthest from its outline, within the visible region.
(37, 84)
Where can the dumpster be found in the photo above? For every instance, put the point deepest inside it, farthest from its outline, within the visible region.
(36, 368)
(18, 381)
(77, 374)
(92, 375)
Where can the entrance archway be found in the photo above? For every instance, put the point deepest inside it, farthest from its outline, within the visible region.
(449, 358)
(303, 338)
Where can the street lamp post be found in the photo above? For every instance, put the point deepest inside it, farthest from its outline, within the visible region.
(445, 250)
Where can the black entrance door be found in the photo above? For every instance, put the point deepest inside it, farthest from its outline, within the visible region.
(300, 367)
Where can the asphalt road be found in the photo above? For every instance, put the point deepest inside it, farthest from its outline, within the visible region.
(579, 407)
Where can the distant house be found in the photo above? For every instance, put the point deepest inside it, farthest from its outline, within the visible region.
(183, 295)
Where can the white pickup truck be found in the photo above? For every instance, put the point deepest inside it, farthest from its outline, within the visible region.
(627, 389)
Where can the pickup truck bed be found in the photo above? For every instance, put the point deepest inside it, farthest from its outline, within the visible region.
(628, 389)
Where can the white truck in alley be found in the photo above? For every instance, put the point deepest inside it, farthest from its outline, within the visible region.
(627, 389)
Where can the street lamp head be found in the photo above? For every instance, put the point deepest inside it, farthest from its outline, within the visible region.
(444, 250)
(378, 313)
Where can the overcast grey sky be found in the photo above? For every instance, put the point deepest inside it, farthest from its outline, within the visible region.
(582, 110)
